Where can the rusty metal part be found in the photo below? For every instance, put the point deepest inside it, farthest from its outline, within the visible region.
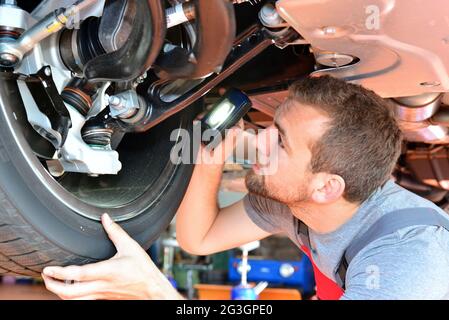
(267, 103)
(430, 165)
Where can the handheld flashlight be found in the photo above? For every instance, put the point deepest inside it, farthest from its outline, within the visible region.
(224, 114)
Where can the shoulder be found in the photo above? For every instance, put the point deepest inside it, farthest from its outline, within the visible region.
(394, 197)
(270, 215)
(410, 263)
(263, 204)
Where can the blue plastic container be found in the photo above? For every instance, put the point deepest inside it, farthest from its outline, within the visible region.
(297, 274)
(242, 292)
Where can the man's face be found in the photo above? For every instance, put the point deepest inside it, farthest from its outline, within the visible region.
(296, 127)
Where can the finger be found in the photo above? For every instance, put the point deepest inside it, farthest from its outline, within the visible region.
(102, 270)
(250, 139)
(241, 124)
(122, 241)
(70, 291)
(226, 147)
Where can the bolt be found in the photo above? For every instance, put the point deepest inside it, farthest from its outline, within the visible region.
(47, 71)
(8, 59)
(142, 78)
(144, 75)
(115, 102)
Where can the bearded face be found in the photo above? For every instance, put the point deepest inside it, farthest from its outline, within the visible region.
(294, 131)
(273, 187)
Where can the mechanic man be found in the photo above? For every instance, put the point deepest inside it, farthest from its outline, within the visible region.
(338, 145)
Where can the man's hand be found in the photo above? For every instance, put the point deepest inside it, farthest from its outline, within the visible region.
(130, 274)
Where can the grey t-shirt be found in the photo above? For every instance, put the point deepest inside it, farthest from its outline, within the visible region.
(412, 263)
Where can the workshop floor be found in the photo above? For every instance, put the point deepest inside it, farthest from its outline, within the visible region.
(25, 292)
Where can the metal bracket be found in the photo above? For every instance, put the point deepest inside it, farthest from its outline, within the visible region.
(49, 103)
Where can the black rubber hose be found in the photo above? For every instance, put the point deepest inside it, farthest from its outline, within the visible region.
(140, 50)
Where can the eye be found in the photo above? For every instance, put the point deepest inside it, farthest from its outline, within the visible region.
(280, 142)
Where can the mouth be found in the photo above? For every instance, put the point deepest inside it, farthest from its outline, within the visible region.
(257, 168)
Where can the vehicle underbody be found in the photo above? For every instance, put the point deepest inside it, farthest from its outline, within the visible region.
(91, 91)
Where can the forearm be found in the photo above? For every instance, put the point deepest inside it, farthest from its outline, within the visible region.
(199, 208)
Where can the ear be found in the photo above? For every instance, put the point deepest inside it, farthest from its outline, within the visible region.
(327, 188)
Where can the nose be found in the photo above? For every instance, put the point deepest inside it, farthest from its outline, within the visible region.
(264, 145)
(267, 140)
(258, 146)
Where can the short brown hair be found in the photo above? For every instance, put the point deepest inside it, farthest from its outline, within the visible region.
(363, 140)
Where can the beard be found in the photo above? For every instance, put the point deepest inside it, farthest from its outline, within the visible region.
(256, 184)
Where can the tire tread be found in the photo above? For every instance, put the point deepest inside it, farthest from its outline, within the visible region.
(29, 253)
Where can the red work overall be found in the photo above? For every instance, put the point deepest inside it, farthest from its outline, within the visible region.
(387, 224)
(326, 289)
